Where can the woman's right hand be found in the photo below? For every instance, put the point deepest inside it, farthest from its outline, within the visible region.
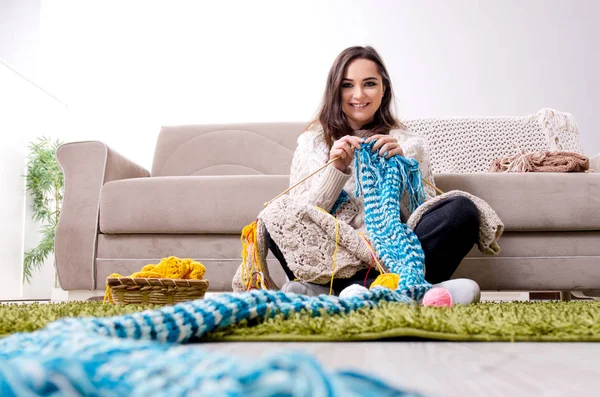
(344, 148)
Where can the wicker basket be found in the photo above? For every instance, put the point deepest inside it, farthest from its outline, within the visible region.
(158, 291)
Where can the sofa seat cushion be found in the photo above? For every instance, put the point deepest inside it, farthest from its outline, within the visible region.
(534, 201)
(225, 204)
(186, 204)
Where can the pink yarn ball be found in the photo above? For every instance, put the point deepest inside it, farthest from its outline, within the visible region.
(437, 297)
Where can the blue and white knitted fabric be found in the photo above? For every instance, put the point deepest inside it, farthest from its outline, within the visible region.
(149, 353)
(383, 182)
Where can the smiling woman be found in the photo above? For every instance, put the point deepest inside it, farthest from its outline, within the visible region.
(355, 117)
(362, 92)
(358, 95)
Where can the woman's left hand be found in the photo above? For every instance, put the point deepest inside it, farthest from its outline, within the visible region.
(388, 146)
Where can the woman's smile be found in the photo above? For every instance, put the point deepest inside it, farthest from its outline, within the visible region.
(360, 106)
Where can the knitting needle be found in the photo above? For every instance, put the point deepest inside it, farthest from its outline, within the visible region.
(291, 187)
(433, 186)
(319, 169)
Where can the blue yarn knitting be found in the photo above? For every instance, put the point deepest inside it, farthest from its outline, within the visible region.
(342, 199)
(382, 182)
(143, 354)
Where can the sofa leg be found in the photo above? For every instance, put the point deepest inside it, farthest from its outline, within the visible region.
(504, 296)
(595, 294)
(565, 296)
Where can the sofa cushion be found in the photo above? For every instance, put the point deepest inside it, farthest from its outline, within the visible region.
(252, 149)
(225, 204)
(535, 201)
(190, 204)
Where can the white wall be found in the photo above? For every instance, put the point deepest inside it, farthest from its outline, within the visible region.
(125, 68)
(20, 34)
(26, 113)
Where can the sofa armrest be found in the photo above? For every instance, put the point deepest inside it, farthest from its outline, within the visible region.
(86, 167)
(595, 163)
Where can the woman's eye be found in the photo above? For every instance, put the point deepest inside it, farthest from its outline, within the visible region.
(346, 85)
(370, 84)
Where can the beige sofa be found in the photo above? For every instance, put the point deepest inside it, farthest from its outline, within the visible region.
(208, 181)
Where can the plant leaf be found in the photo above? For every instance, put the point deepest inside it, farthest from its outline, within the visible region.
(45, 184)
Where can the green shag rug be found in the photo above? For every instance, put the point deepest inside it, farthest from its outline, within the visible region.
(28, 317)
(514, 321)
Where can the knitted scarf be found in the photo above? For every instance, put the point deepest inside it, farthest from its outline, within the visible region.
(383, 182)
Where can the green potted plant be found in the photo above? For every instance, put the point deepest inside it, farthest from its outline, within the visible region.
(45, 183)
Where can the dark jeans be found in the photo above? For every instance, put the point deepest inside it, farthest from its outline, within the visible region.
(447, 232)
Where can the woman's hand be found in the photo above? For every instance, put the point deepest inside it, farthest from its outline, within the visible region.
(388, 146)
(344, 147)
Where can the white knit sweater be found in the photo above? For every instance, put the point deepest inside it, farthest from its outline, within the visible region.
(324, 188)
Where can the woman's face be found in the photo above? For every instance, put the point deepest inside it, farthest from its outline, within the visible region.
(362, 92)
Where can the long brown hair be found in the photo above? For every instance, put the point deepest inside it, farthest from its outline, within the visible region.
(332, 119)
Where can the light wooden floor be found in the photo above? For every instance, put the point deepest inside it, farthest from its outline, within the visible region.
(449, 369)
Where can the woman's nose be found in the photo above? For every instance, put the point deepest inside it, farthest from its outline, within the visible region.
(358, 92)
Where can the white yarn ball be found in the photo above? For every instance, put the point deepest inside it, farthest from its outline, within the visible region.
(352, 290)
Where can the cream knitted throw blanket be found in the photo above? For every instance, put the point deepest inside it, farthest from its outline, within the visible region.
(460, 145)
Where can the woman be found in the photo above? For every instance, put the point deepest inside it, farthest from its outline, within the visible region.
(357, 108)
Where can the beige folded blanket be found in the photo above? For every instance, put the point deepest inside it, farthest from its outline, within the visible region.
(542, 162)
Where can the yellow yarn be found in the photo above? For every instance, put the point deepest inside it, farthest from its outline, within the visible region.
(248, 239)
(196, 270)
(388, 280)
(171, 267)
(146, 274)
(337, 242)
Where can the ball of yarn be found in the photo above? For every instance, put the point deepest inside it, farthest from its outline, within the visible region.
(172, 267)
(196, 271)
(388, 280)
(352, 290)
(437, 297)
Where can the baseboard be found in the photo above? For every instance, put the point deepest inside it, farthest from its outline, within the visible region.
(504, 296)
(60, 295)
